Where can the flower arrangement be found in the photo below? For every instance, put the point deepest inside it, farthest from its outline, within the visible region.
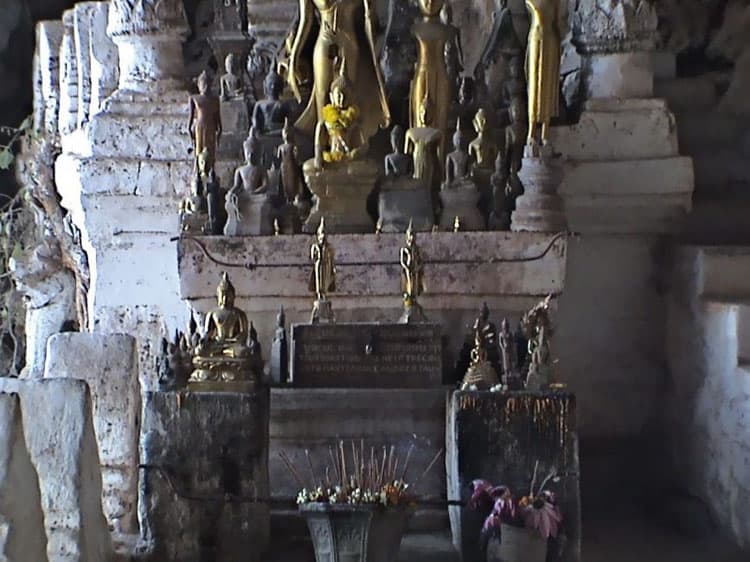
(358, 478)
(537, 511)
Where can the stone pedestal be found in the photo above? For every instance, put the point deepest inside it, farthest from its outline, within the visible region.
(461, 200)
(204, 460)
(23, 536)
(540, 208)
(403, 200)
(252, 217)
(109, 364)
(60, 438)
(235, 122)
(499, 437)
(341, 192)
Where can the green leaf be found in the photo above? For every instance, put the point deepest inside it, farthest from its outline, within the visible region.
(6, 159)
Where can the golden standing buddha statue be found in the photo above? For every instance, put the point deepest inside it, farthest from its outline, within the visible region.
(431, 75)
(323, 277)
(340, 25)
(223, 354)
(542, 68)
(423, 143)
(412, 278)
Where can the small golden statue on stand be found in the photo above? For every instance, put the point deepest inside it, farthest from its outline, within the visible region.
(323, 277)
(481, 374)
(226, 357)
(412, 279)
(542, 68)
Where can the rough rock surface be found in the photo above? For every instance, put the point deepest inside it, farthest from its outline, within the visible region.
(109, 364)
(22, 535)
(60, 438)
(204, 460)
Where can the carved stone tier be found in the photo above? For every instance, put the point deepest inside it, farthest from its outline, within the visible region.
(270, 19)
(204, 459)
(615, 39)
(341, 192)
(623, 172)
(149, 36)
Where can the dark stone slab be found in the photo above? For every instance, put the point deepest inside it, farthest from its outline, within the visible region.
(366, 355)
(204, 461)
(499, 437)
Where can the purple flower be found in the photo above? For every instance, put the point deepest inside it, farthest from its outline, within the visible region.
(543, 516)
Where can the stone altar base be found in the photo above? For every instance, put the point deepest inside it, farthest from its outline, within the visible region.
(341, 191)
(255, 216)
(540, 208)
(314, 418)
(499, 437)
(403, 200)
(204, 462)
(235, 121)
(461, 200)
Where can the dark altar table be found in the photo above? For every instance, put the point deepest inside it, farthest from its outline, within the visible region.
(499, 436)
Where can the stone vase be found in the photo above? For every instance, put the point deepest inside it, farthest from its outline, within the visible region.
(517, 544)
(355, 533)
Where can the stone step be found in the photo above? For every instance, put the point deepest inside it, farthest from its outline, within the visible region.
(724, 274)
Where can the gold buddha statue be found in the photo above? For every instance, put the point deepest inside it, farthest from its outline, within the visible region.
(542, 68)
(345, 31)
(483, 149)
(412, 278)
(430, 73)
(481, 374)
(223, 353)
(323, 277)
(338, 128)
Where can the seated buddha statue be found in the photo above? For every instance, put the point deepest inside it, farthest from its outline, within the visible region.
(223, 353)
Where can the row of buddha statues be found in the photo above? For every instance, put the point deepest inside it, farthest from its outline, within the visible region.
(226, 353)
(505, 360)
(313, 140)
(227, 349)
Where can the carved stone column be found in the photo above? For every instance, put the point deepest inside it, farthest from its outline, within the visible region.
(615, 39)
(49, 35)
(68, 77)
(81, 28)
(104, 59)
(123, 177)
(149, 36)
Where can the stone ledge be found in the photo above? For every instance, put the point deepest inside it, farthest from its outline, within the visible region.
(723, 272)
(486, 263)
